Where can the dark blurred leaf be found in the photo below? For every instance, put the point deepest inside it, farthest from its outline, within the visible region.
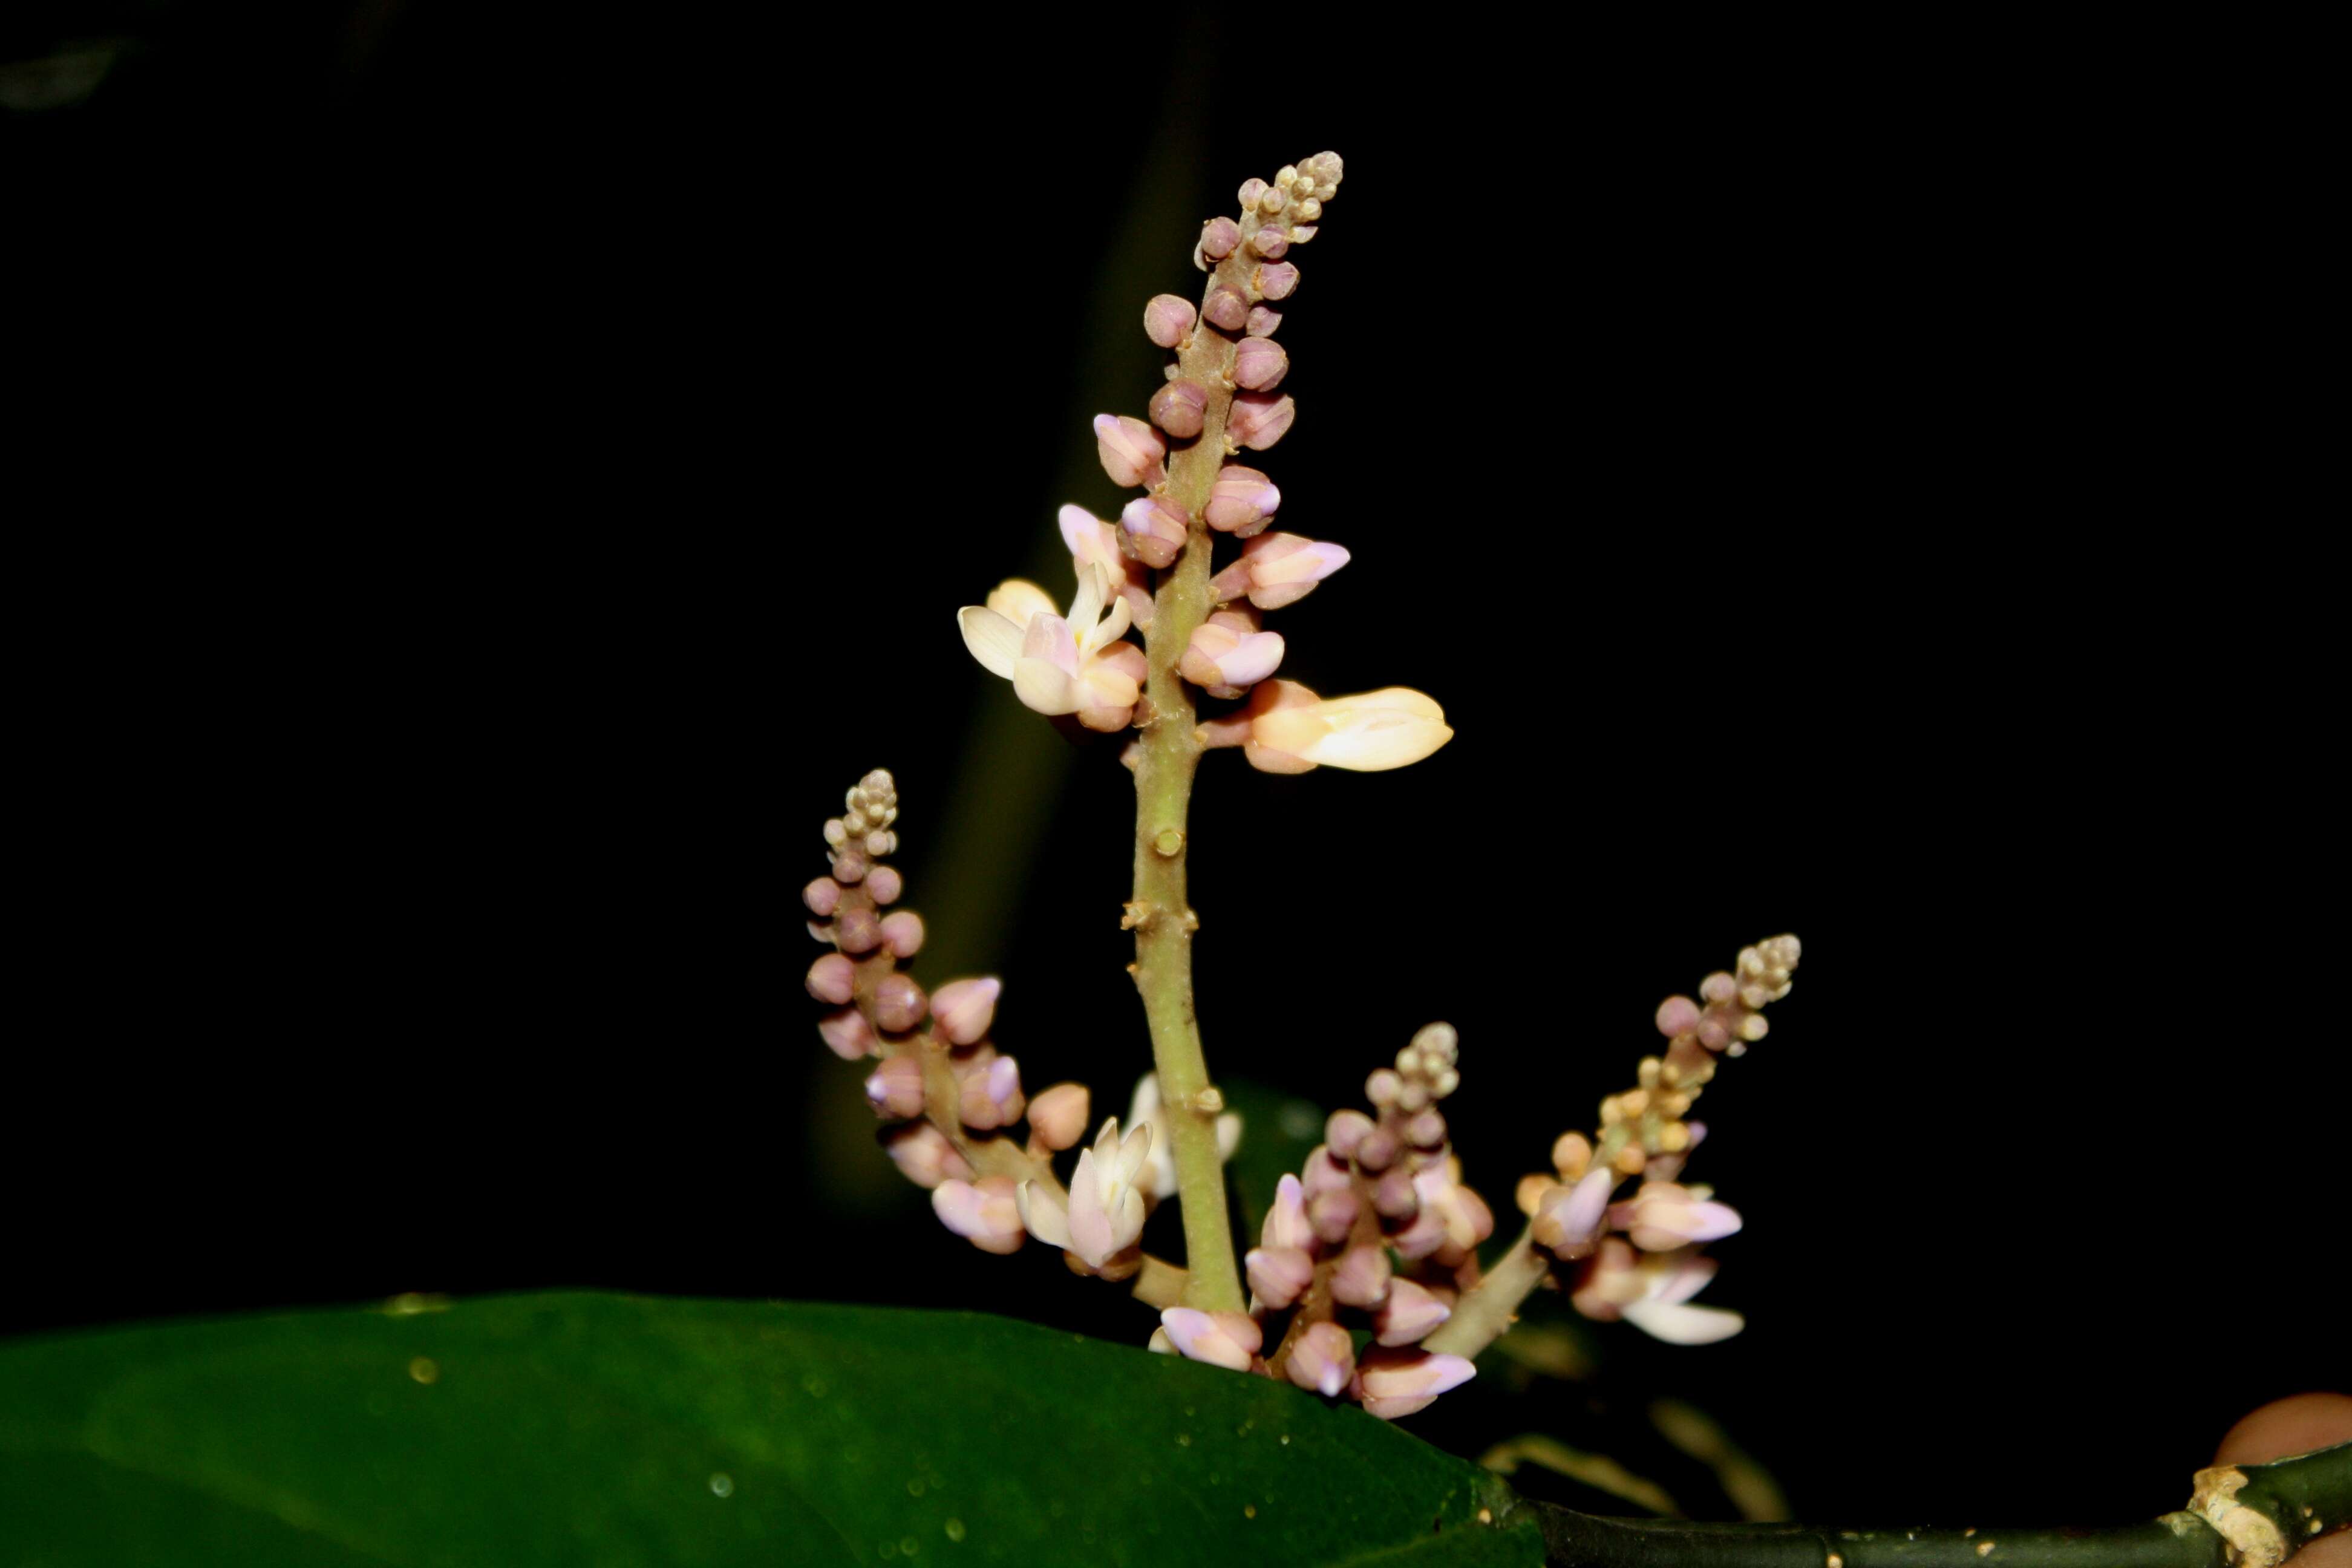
(576, 1428)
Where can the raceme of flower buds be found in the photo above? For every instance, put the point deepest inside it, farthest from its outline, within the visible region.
(1278, 568)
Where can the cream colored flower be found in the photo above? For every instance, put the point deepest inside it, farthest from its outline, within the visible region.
(1060, 665)
(1104, 1215)
(1291, 730)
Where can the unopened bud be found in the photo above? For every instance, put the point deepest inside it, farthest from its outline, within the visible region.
(1220, 238)
(1678, 1016)
(885, 883)
(896, 1088)
(991, 1097)
(1409, 1314)
(1322, 1360)
(1179, 408)
(904, 932)
(832, 978)
(965, 1009)
(1270, 241)
(1333, 1214)
(851, 865)
(1153, 529)
(1378, 1149)
(1251, 190)
(1226, 308)
(1130, 450)
(1259, 419)
(1282, 569)
(1058, 1118)
(1285, 1220)
(984, 1213)
(1362, 1277)
(1345, 1131)
(1240, 502)
(1279, 1275)
(1426, 1131)
(858, 931)
(847, 1035)
(899, 1002)
(1259, 363)
(1225, 661)
(1221, 1339)
(1393, 1196)
(824, 895)
(1168, 318)
(923, 1155)
(1395, 1383)
(1568, 1222)
(1262, 321)
(1276, 279)
(1323, 1173)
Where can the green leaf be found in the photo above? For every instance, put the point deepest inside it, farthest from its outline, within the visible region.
(598, 1429)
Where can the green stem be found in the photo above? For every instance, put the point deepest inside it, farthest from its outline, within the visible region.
(1482, 1314)
(1167, 753)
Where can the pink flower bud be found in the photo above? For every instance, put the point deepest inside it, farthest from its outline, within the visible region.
(1259, 419)
(904, 932)
(1221, 1339)
(832, 978)
(1333, 1214)
(1279, 1275)
(1362, 1278)
(984, 1212)
(1283, 568)
(857, 931)
(899, 1002)
(1663, 1216)
(822, 896)
(1220, 238)
(965, 1009)
(923, 1155)
(1262, 321)
(1567, 1219)
(1225, 308)
(1177, 408)
(1259, 363)
(1154, 528)
(1130, 450)
(1323, 1360)
(1394, 1382)
(1409, 1314)
(896, 1088)
(1345, 1131)
(885, 883)
(1226, 661)
(1394, 1194)
(1276, 279)
(991, 1098)
(1058, 1118)
(1322, 1173)
(1379, 1148)
(1426, 1131)
(1286, 1221)
(851, 866)
(1270, 241)
(1168, 318)
(846, 1034)
(1240, 502)
(1677, 1016)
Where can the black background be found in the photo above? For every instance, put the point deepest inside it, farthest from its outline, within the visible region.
(1817, 473)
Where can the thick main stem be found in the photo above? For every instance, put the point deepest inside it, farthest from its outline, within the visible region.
(1166, 755)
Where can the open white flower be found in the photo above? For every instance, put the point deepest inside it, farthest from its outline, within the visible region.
(1105, 1216)
(1060, 665)
(1146, 1111)
(1286, 729)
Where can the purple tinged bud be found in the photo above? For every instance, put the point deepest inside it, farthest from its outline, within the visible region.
(1130, 450)
(1276, 279)
(896, 1088)
(991, 1097)
(1259, 419)
(965, 1009)
(1154, 528)
(1286, 1222)
(1409, 1315)
(1251, 189)
(1259, 363)
(1676, 1014)
(822, 896)
(923, 1155)
(1362, 1278)
(851, 866)
(1220, 238)
(899, 1002)
(885, 883)
(1270, 241)
(1426, 1131)
(1168, 318)
(1224, 660)
(984, 1212)
(1279, 1275)
(832, 978)
(1345, 1131)
(1333, 1214)
(1323, 1173)
(1179, 408)
(904, 932)
(1323, 1360)
(1262, 321)
(1057, 1118)
(1221, 1339)
(858, 931)
(1283, 568)
(1393, 1196)
(847, 1034)
(1240, 502)
(1226, 309)
(1567, 1220)
(1378, 1149)
(1395, 1383)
